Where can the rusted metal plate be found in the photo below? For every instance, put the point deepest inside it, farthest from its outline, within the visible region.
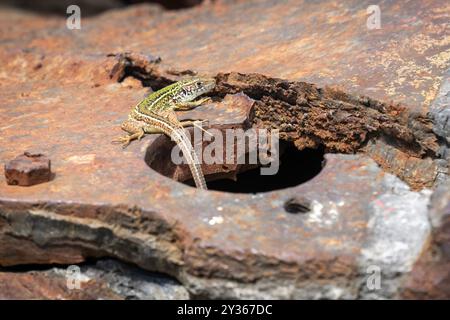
(323, 42)
(58, 95)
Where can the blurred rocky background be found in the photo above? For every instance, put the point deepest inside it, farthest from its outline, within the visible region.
(90, 7)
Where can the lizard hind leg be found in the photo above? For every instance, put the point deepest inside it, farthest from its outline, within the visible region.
(135, 130)
(126, 140)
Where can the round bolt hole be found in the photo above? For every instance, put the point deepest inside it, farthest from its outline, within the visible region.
(297, 205)
(295, 167)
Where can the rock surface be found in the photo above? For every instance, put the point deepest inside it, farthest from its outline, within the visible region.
(430, 278)
(66, 92)
(106, 280)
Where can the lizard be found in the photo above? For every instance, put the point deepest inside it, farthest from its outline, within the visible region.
(156, 114)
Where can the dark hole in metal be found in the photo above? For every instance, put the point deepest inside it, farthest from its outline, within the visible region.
(296, 167)
(297, 205)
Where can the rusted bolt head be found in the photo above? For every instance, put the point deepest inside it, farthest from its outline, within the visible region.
(28, 169)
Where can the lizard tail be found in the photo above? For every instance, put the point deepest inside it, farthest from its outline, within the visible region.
(182, 140)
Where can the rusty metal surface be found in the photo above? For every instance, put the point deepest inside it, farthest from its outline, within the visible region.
(323, 42)
(57, 94)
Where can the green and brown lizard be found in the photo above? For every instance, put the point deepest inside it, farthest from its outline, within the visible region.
(156, 114)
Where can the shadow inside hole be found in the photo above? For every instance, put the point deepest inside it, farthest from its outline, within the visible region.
(296, 167)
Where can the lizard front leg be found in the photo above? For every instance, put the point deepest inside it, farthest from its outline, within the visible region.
(184, 106)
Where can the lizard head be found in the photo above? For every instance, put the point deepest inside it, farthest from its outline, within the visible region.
(192, 88)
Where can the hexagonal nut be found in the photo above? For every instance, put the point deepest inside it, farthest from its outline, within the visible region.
(28, 169)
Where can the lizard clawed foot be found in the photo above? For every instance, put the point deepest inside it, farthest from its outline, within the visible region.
(124, 140)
